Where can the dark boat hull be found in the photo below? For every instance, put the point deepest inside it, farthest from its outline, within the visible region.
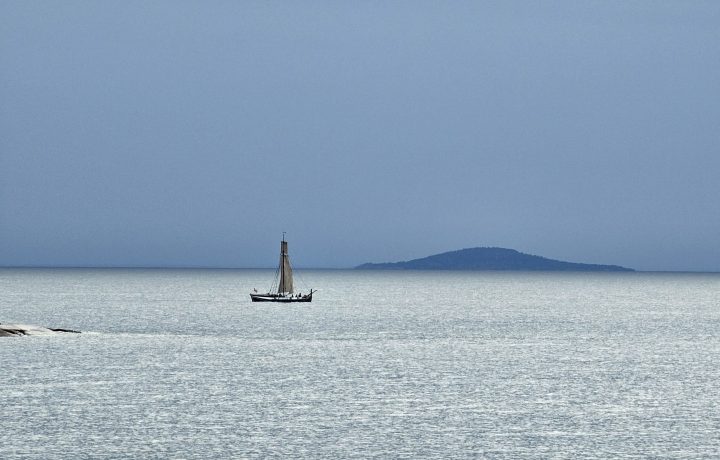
(279, 298)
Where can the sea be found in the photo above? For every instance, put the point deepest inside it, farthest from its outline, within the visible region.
(382, 364)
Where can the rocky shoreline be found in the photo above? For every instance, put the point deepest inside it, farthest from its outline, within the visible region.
(18, 330)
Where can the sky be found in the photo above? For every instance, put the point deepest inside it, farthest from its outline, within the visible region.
(192, 133)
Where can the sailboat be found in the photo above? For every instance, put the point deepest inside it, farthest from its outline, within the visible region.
(283, 290)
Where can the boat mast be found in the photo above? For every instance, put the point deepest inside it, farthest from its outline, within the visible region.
(286, 281)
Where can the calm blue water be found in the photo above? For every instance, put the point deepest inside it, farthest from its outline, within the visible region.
(180, 364)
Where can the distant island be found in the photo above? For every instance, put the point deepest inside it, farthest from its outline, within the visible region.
(490, 259)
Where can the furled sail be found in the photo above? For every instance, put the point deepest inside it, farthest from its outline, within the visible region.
(286, 280)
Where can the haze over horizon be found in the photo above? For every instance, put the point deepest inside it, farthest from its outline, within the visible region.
(195, 133)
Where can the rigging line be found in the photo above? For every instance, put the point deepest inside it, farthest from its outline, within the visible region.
(301, 279)
(276, 281)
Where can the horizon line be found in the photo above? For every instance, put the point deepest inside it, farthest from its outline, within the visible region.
(208, 267)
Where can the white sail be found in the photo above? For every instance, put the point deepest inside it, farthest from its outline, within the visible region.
(286, 279)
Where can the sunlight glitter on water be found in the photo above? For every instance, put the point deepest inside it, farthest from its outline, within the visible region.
(382, 364)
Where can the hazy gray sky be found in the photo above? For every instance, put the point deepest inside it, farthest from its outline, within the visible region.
(194, 133)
